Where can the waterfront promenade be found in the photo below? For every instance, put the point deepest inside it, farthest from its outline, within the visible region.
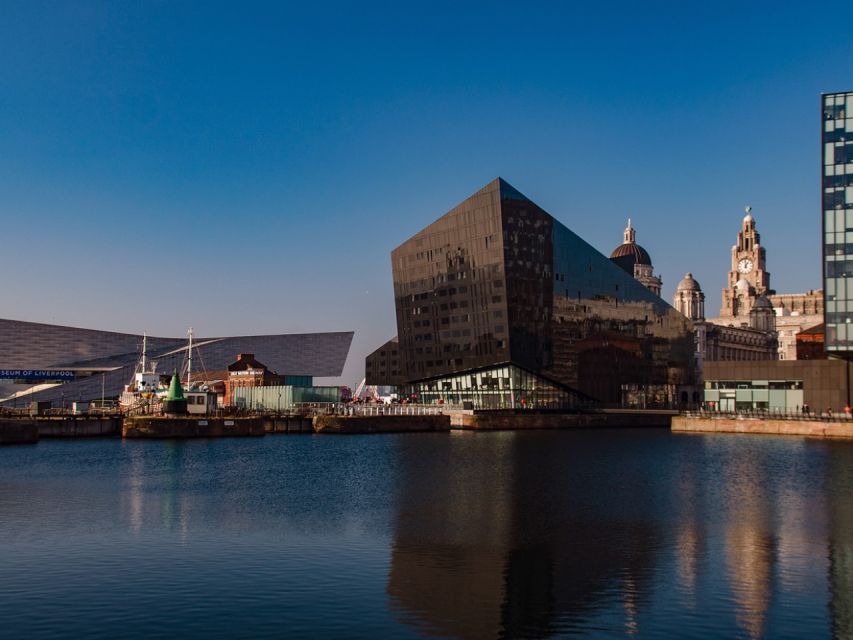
(342, 418)
(826, 425)
(326, 418)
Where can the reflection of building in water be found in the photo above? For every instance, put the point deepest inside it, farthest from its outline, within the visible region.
(840, 472)
(801, 524)
(749, 560)
(687, 543)
(690, 532)
(485, 547)
(750, 544)
(501, 305)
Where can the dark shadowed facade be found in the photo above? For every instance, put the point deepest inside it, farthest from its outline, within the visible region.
(499, 304)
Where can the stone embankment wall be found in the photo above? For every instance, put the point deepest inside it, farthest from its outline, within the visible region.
(176, 427)
(18, 432)
(288, 424)
(13, 430)
(524, 420)
(380, 424)
(814, 428)
(78, 426)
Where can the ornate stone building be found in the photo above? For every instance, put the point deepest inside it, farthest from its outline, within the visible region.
(689, 298)
(754, 340)
(748, 278)
(795, 312)
(636, 261)
(749, 281)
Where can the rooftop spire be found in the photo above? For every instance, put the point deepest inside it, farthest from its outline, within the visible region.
(630, 234)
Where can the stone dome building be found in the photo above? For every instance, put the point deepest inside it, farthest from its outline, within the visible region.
(762, 316)
(636, 261)
(689, 299)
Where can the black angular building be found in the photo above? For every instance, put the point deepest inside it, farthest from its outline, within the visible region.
(501, 305)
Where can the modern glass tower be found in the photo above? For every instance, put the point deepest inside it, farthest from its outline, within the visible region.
(837, 196)
(500, 305)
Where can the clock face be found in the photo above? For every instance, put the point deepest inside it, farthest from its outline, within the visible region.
(745, 265)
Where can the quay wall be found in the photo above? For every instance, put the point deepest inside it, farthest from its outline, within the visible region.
(60, 427)
(768, 426)
(288, 424)
(181, 427)
(18, 432)
(78, 427)
(380, 424)
(528, 420)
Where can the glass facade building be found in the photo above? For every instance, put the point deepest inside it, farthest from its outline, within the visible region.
(837, 197)
(506, 387)
(282, 397)
(498, 290)
(744, 395)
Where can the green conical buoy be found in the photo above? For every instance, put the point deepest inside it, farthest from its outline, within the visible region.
(174, 404)
(175, 391)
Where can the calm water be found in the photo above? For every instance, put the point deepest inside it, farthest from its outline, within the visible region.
(552, 534)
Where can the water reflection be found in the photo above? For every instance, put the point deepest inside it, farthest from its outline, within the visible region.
(155, 487)
(526, 535)
(598, 534)
(749, 540)
(511, 537)
(840, 480)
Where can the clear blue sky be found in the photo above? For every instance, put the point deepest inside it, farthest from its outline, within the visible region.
(248, 167)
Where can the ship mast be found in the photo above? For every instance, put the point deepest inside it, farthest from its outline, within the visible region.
(144, 350)
(190, 358)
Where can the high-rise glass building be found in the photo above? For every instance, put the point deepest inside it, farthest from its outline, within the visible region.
(837, 196)
(500, 305)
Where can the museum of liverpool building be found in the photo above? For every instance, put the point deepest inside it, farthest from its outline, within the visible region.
(41, 362)
(499, 305)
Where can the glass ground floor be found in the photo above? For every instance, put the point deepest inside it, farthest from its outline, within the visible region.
(502, 387)
(742, 395)
(281, 398)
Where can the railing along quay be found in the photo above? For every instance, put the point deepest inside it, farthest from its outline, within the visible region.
(770, 415)
(347, 409)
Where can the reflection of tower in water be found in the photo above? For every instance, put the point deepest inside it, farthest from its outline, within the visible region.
(750, 544)
(689, 537)
(749, 561)
(687, 546)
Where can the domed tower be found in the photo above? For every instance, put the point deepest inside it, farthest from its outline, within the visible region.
(689, 298)
(762, 316)
(635, 260)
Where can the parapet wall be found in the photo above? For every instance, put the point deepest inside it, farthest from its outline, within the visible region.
(181, 427)
(525, 420)
(768, 426)
(18, 432)
(381, 424)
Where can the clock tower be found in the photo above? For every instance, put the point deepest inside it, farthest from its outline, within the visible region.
(748, 278)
